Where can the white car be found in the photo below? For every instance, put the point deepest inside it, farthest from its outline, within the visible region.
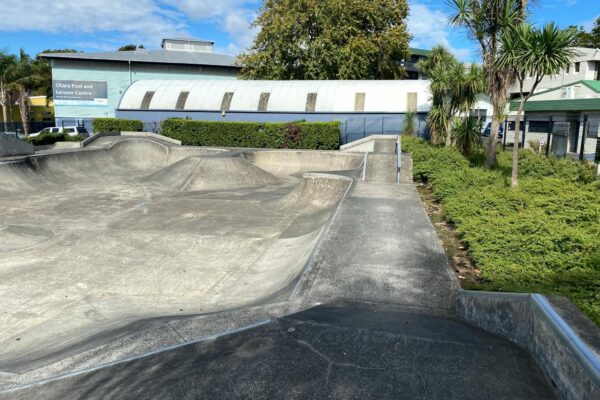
(69, 130)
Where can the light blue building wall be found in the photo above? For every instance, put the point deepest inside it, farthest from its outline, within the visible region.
(118, 76)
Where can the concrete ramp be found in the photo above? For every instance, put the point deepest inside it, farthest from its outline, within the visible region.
(130, 229)
(212, 173)
(11, 146)
(381, 168)
(297, 162)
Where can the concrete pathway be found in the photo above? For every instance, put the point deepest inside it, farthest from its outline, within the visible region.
(382, 248)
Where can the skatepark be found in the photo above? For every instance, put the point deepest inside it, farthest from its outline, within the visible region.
(136, 267)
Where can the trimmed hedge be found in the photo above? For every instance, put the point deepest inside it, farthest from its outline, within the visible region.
(294, 135)
(45, 139)
(117, 125)
(539, 237)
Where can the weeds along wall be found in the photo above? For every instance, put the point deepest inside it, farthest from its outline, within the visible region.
(293, 135)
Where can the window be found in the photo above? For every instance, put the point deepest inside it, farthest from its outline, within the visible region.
(577, 67)
(568, 68)
(539, 126)
(411, 101)
(226, 102)
(359, 102)
(263, 102)
(598, 70)
(146, 100)
(311, 102)
(181, 100)
(69, 130)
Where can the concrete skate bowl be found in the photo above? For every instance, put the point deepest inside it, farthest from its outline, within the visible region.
(92, 241)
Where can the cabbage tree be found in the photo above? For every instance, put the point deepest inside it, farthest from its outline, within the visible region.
(533, 52)
(6, 63)
(485, 21)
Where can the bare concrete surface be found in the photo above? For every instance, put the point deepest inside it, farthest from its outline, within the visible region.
(141, 269)
(93, 240)
(321, 353)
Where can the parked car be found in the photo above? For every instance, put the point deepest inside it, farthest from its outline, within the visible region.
(69, 130)
(488, 130)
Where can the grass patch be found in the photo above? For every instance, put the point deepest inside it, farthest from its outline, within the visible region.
(540, 237)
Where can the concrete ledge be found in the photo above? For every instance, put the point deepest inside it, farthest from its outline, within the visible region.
(366, 144)
(152, 135)
(97, 136)
(571, 364)
(11, 146)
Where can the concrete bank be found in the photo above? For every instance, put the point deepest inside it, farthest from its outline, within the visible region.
(567, 353)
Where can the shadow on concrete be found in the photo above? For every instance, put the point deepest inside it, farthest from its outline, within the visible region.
(339, 351)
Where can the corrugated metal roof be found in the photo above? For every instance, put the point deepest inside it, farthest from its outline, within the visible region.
(559, 105)
(153, 57)
(284, 96)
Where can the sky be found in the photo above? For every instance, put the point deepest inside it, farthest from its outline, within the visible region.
(105, 25)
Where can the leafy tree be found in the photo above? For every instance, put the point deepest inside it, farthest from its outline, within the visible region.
(486, 20)
(589, 39)
(454, 88)
(535, 53)
(44, 71)
(328, 39)
(6, 63)
(128, 47)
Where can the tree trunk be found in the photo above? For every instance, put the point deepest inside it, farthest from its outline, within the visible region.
(490, 159)
(4, 103)
(514, 180)
(24, 111)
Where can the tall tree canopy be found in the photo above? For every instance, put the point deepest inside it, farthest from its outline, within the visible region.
(589, 39)
(328, 39)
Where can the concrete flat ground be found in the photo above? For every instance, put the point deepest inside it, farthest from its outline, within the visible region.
(322, 285)
(93, 240)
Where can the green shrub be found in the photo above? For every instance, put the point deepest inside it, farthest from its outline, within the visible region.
(295, 135)
(117, 125)
(45, 139)
(539, 237)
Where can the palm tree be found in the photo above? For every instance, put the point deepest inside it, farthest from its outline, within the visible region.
(22, 78)
(528, 51)
(486, 20)
(454, 88)
(6, 63)
(466, 134)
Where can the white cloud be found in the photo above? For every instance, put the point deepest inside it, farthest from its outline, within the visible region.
(430, 28)
(141, 21)
(590, 23)
(231, 16)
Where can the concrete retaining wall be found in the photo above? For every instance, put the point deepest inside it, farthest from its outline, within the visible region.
(99, 135)
(11, 146)
(569, 363)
